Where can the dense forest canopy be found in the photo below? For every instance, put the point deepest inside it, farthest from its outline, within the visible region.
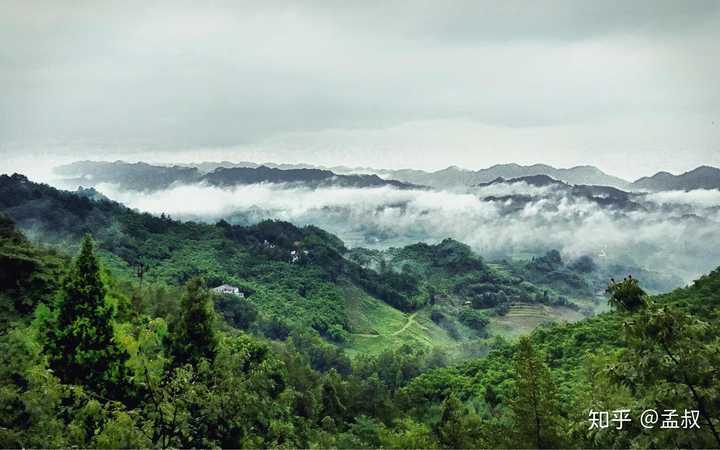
(111, 337)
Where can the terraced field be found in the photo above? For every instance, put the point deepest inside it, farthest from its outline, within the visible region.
(523, 318)
(376, 326)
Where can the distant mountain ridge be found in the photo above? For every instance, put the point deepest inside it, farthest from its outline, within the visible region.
(314, 177)
(210, 166)
(146, 177)
(454, 176)
(135, 176)
(603, 196)
(450, 177)
(143, 176)
(703, 177)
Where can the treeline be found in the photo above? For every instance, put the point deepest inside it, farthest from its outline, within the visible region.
(295, 272)
(297, 275)
(146, 357)
(92, 368)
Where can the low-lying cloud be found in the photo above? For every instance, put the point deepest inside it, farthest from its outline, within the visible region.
(703, 198)
(671, 232)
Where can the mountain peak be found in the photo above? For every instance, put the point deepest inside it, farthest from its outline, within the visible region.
(702, 177)
(454, 176)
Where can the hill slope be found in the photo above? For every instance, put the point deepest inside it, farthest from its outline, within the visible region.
(703, 177)
(659, 355)
(589, 361)
(304, 276)
(146, 177)
(454, 176)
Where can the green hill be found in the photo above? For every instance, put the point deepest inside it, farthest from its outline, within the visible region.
(180, 377)
(297, 278)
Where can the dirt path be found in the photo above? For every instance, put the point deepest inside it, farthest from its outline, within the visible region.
(410, 321)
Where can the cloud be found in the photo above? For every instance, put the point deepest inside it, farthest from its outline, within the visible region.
(704, 198)
(569, 82)
(655, 238)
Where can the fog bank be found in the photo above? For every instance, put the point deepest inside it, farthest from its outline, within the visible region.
(672, 231)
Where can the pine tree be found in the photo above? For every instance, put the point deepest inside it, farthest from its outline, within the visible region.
(193, 337)
(79, 339)
(450, 429)
(535, 403)
(671, 358)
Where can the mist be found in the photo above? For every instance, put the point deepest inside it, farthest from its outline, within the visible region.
(671, 231)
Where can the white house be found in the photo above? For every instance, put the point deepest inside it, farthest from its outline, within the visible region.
(227, 289)
(294, 257)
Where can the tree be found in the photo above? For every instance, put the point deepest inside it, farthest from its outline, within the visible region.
(408, 434)
(30, 396)
(458, 428)
(672, 360)
(449, 429)
(239, 313)
(626, 295)
(332, 405)
(193, 336)
(535, 402)
(79, 341)
(597, 392)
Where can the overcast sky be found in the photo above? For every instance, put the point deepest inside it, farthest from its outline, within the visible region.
(629, 86)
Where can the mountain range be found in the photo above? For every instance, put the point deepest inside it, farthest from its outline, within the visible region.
(305, 275)
(141, 176)
(454, 176)
(703, 177)
(300, 272)
(147, 177)
(312, 177)
(603, 196)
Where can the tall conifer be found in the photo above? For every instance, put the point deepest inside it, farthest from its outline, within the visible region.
(79, 339)
(535, 404)
(193, 336)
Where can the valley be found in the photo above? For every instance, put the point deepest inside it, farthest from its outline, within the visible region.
(440, 296)
(400, 336)
(359, 225)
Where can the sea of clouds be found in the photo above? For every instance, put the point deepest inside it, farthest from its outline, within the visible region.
(676, 231)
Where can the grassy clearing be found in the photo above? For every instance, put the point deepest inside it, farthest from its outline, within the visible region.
(523, 318)
(377, 326)
(370, 316)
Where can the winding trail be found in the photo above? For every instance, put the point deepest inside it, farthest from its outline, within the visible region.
(410, 321)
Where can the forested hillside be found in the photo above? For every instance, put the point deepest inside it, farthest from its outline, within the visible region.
(146, 177)
(295, 274)
(359, 224)
(93, 366)
(305, 279)
(124, 345)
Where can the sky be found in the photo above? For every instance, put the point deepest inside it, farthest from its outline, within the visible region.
(631, 87)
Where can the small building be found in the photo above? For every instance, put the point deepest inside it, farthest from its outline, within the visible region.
(228, 289)
(294, 256)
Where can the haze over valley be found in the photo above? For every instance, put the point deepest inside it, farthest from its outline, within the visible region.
(401, 224)
(525, 214)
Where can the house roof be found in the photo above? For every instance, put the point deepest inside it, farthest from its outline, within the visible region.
(226, 286)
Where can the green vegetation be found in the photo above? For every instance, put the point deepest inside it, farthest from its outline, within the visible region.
(294, 275)
(79, 338)
(193, 338)
(124, 345)
(535, 402)
(301, 279)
